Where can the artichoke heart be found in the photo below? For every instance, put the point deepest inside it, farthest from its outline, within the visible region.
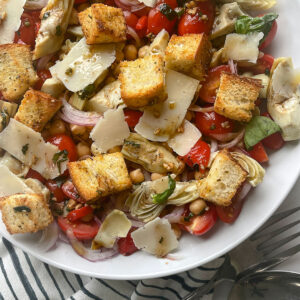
(252, 4)
(152, 156)
(255, 171)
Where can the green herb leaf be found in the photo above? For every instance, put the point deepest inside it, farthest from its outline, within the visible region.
(257, 129)
(22, 208)
(247, 24)
(3, 119)
(166, 10)
(188, 218)
(179, 11)
(131, 143)
(163, 197)
(25, 148)
(87, 92)
(46, 15)
(60, 157)
(58, 30)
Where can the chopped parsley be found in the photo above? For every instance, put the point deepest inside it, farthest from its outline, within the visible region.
(27, 23)
(188, 218)
(25, 148)
(58, 30)
(161, 240)
(22, 208)
(131, 143)
(4, 119)
(212, 126)
(166, 10)
(60, 157)
(69, 71)
(163, 197)
(267, 71)
(46, 15)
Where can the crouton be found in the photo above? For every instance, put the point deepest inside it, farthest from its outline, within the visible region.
(236, 97)
(189, 54)
(142, 81)
(17, 73)
(103, 24)
(223, 180)
(36, 109)
(23, 213)
(100, 176)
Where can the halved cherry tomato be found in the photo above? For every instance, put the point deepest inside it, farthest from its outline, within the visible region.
(198, 156)
(132, 117)
(263, 65)
(81, 230)
(258, 152)
(43, 75)
(130, 18)
(141, 26)
(26, 33)
(212, 83)
(56, 190)
(194, 23)
(199, 225)
(64, 142)
(35, 175)
(79, 213)
(270, 37)
(70, 191)
(126, 245)
(213, 123)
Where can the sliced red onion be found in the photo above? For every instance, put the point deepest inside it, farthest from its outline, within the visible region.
(43, 61)
(213, 146)
(244, 191)
(224, 137)
(97, 221)
(73, 116)
(62, 237)
(176, 215)
(131, 5)
(201, 109)
(234, 142)
(35, 4)
(134, 221)
(133, 33)
(87, 253)
(232, 66)
(49, 237)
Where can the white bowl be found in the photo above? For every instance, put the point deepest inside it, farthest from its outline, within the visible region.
(281, 175)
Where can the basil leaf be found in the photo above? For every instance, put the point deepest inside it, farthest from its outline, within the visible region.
(163, 197)
(25, 148)
(257, 129)
(22, 208)
(166, 10)
(87, 92)
(60, 157)
(247, 24)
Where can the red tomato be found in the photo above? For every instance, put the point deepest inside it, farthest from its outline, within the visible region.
(43, 75)
(26, 33)
(258, 152)
(141, 26)
(132, 117)
(70, 191)
(213, 123)
(212, 83)
(270, 37)
(126, 245)
(79, 213)
(55, 190)
(263, 65)
(199, 225)
(194, 23)
(198, 155)
(35, 175)
(81, 230)
(130, 18)
(64, 142)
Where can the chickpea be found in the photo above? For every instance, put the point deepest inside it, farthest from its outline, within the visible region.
(115, 149)
(137, 176)
(83, 149)
(130, 52)
(82, 7)
(176, 230)
(197, 206)
(77, 129)
(155, 176)
(57, 127)
(143, 51)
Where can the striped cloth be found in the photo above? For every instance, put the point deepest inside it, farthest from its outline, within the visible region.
(24, 277)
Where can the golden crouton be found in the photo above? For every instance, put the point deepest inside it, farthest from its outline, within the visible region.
(189, 54)
(236, 97)
(223, 181)
(23, 213)
(16, 71)
(36, 109)
(100, 176)
(103, 24)
(142, 81)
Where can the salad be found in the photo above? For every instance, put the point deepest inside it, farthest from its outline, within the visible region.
(125, 124)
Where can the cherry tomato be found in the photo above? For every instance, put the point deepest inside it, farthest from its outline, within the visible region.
(64, 142)
(194, 23)
(70, 191)
(79, 213)
(35, 175)
(43, 75)
(270, 37)
(212, 83)
(26, 33)
(132, 117)
(126, 245)
(198, 155)
(258, 152)
(213, 123)
(55, 190)
(141, 26)
(130, 18)
(81, 230)
(199, 225)
(263, 65)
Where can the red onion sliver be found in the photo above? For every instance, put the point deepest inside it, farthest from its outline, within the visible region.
(35, 4)
(130, 5)
(133, 33)
(175, 215)
(201, 109)
(232, 66)
(97, 221)
(244, 191)
(224, 137)
(234, 142)
(62, 237)
(49, 237)
(43, 61)
(213, 146)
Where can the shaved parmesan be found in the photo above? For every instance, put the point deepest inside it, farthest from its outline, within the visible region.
(159, 122)
(156, 237)
(149, 3)
(183, 142)
(29, 147)
(13, 165)
(83, 65)
(111, 130)
(242, 47)
(13, 10)
(10, 183)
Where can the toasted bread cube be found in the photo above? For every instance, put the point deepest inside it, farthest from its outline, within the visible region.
(16, 71)
(223, 180)
(23, 213)
(100, 176)
(36, 109)
(189, 54)
(142, 81)
(236, 97)
(103, 24)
